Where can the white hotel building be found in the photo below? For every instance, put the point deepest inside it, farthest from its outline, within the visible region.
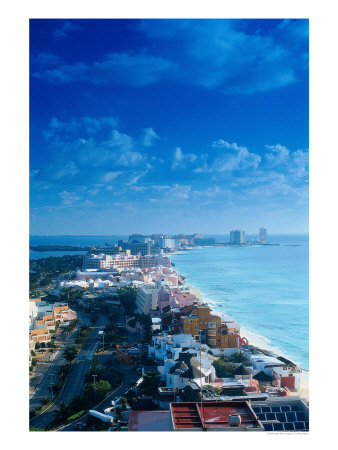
(107, 262)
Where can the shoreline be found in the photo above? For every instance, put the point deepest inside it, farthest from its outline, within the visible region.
(254, 338)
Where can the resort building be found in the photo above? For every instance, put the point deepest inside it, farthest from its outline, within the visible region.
(107, 262)
(142, 248)
(237, 237)
(208, 328)
(146, 299)
(263, 239)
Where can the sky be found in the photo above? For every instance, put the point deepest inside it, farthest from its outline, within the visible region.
(168, 126)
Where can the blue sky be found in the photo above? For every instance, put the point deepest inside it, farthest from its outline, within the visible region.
(168, 126)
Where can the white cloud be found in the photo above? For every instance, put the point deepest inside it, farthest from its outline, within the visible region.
(278, 155)
(149, 136)
(238, 158)
(68, 198)
(109, 176)
(182, 159)
(69, 169)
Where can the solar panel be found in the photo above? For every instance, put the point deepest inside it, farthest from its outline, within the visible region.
(299, 426)
(275, 409)
(278, 427)
(295, 408)
(285, 408)
(291, 417)
(307, 426)
(266, 409)
(281, 417)
(271, 416)
(257, 409)
(289, 426)
(268, 427)
(262, 416)
(300, 416)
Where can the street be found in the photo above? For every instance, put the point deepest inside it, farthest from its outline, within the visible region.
(129, 376)
(75, 382)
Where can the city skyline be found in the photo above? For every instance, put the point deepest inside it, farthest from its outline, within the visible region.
(134, 129)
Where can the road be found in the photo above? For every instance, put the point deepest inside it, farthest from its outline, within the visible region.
(51, 374)
(75, 382)
(129, 376)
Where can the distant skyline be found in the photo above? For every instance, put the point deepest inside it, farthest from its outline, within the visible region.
(173, 126)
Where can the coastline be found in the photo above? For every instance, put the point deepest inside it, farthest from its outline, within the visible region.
(261, 342)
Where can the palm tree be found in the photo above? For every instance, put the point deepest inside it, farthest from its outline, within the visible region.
(239, 357)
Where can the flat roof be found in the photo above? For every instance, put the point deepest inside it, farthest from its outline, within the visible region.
(149, 421)
(213, 415)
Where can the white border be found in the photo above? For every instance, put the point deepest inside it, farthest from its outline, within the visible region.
(323, 222)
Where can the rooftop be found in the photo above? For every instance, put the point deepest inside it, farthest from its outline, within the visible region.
(213, 416)
(149, 421)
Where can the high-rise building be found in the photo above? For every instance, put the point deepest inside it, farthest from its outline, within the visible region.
(137, 238)
(237, 237)
(142, 248)
(263, 236)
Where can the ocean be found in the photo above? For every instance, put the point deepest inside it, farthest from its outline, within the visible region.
(263, 288)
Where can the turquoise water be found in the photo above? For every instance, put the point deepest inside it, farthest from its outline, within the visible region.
(265, 289)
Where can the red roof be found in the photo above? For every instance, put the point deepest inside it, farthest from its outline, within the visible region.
(213, 415)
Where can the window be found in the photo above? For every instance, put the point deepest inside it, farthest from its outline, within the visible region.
(211, 324)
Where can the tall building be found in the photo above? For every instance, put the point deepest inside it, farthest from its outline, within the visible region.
(263, 236)
(140, 247)
(137, 238)
(237, 237)
(208, 328)
(167, 242)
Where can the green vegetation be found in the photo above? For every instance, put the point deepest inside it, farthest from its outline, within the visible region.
(150, 383)
(36, 429)
(73, 324)
(226, 365)
(239, 357)
(76, 416)
(70, 293)
(46, 401)
(70, 353)
(114, 334)
(127, 296)
(51, 344)
(42, 271)
(213, 388)
(224, 369)
(82, 334)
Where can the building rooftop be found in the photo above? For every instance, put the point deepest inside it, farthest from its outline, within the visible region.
(149, 421)
(213, 416)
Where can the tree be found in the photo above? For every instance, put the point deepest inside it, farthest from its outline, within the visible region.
(145, 320)
(127, 296)
(63, 411)
(70, 353)
(239, 357)
(224, 369)
(46, 401)
(150, 383)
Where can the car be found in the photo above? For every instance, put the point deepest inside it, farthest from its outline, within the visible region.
(139, 345)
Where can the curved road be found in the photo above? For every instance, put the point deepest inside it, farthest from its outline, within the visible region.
(129, 376)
